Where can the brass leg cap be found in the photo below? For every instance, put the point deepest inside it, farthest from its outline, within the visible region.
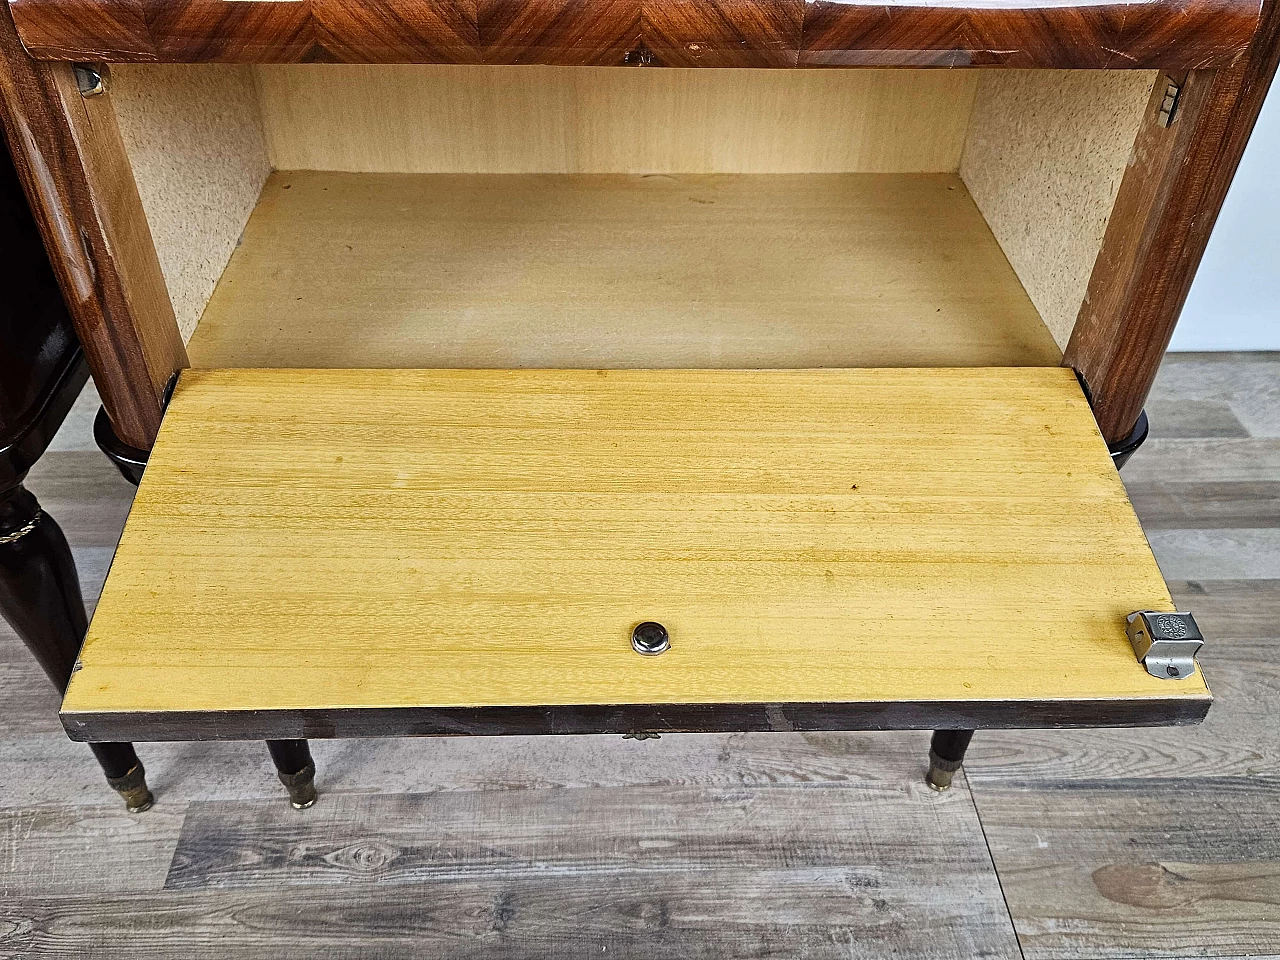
(303, 799)
(132, 788)
(939, 780)
(301, 787)
(941, 772)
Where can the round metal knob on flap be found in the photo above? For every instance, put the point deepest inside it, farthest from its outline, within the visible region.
(650, 639)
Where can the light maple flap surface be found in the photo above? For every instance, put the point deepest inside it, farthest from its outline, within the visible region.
(336, 552)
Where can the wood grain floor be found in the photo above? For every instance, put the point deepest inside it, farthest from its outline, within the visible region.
(1127, 844)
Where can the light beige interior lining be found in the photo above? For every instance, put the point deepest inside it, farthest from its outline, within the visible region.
(1042, 152)
(1045, 155)
(194, 136)
(443, 119)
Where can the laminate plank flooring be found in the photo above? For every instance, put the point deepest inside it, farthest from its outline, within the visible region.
(1176, 867)
(1131, 844)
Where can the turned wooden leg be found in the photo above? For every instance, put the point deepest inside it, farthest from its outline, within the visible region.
(296, 769)
(946, 755)
(40, 598)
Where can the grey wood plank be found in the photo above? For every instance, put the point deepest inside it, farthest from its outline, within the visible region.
(1240, 736)
(84, 849)
(781, 871)
(1232, 608)
(405, 838)
(84, 494)
(37, 768)
(1178, 418)
(788, 913)
(1143, 867)
(48, 769)
(1248, 382)
(1205, 461)
(1170, 505)
(1239, 554)
(30, 700)
(76, 432)
(711, 760)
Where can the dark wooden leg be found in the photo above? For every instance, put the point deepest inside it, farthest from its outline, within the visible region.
(40, 598)
(296, 769)
(946, 754)
(125, 774)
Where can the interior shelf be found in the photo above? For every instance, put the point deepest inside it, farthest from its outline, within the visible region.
(515, 270)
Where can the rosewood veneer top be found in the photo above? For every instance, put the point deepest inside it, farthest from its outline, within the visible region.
(1169, 34)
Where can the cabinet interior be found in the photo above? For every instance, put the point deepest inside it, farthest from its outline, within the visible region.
(381, 216)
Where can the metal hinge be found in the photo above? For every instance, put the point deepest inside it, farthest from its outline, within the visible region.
(1165, 643)
(1169, 105)
(89, 79)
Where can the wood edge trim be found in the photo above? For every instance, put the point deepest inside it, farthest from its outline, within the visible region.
(127, 226)
(137, 294)
(89, 726)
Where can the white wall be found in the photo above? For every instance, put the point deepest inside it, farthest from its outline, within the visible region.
(1235, 300)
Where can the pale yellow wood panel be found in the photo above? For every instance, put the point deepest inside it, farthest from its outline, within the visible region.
(531, 119)
(389, 270)
(347, 539)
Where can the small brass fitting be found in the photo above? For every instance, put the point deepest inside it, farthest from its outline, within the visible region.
(301, 786)
(133, 788)
(941, 772)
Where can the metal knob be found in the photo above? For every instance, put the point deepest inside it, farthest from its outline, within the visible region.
(650, 639)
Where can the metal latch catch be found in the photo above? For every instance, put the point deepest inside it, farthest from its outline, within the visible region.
(1166, 643)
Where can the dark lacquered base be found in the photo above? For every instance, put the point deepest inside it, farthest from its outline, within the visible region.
(40, 598)
(1124, 449)
(296, 769)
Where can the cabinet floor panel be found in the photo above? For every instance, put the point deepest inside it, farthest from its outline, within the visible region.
(507, 270)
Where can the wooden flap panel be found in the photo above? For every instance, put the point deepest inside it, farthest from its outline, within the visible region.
(312, 549)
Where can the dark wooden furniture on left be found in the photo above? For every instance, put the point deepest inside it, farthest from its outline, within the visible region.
(42, 370)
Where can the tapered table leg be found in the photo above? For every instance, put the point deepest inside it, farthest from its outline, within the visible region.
(946, 755)
(40, 598)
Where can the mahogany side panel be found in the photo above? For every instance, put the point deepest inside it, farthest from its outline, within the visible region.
(1167, 34)
(1168, 203)
(77, 179)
